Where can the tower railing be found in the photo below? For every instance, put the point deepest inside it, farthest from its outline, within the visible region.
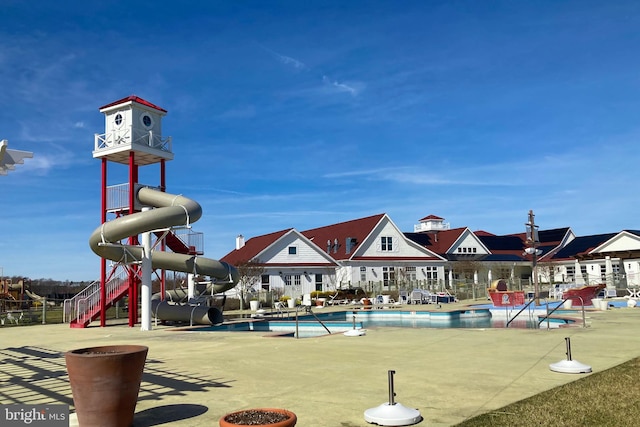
(124, 137)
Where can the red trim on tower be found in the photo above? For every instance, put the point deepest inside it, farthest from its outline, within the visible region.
(133, 98)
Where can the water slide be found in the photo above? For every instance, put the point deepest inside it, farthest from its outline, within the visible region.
(171, 210)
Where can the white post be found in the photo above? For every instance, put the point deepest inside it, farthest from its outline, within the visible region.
(191, 286)
(145, 315)
(579, 279)
(608, 272)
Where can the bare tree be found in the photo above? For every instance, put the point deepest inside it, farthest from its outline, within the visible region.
(500, 270)
(250, 273)
(546, 272)
(467, 268)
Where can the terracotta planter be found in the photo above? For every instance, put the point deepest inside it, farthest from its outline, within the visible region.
(105, 382)
(226, 421)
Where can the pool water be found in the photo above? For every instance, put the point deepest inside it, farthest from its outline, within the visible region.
(439, 320)
(339, 322)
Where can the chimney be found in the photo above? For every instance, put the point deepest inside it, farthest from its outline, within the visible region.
(239, 241)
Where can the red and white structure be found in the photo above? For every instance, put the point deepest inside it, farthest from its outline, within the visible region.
(133, 137)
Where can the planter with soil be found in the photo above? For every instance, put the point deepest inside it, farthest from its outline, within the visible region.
(265, 417)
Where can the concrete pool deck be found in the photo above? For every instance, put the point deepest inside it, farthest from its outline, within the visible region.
(193, 378)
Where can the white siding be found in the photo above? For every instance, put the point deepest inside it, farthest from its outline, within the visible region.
(621, 242)
(401, 247)
(305, 253)
(469, 244)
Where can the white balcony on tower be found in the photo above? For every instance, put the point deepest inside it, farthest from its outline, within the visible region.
(431, 223)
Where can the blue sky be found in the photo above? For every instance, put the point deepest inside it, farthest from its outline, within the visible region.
(302, 114)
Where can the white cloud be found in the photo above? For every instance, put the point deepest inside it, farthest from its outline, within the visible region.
(287, 60)
(340, 87)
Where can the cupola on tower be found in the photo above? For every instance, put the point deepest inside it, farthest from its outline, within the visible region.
(133, 124)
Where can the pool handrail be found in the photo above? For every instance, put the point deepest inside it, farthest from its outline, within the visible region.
(309, 310)
(549, 313)
(521, 310)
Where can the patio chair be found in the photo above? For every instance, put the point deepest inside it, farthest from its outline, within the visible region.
(306, 300)
(403, 297)
(416, 297)
(555, 292)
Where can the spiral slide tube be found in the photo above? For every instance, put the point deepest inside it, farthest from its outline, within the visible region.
(171, 211)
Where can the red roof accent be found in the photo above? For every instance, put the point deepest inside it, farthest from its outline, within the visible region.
(253, 247)
(133, 98)
(431, 217)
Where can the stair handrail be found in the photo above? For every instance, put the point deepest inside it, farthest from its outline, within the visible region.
(79, 307)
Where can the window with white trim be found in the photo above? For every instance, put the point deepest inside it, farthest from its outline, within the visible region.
(386, 243)
(388, 276)
(363, 274)
(431, 273)
(411, 274)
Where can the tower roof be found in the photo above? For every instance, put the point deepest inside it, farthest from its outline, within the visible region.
(133, 98)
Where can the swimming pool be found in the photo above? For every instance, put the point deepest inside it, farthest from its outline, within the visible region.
(318, 324)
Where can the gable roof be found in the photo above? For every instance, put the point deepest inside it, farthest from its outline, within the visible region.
(357, 230)
(581, 246)
(439, 242)
(253, 247)
(625, 244)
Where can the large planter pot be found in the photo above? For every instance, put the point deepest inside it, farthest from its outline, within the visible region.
(254, 305)
(291, 303)
(105, 382)
(255, 415)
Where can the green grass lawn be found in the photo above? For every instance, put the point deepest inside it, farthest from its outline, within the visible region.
(608, 398)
